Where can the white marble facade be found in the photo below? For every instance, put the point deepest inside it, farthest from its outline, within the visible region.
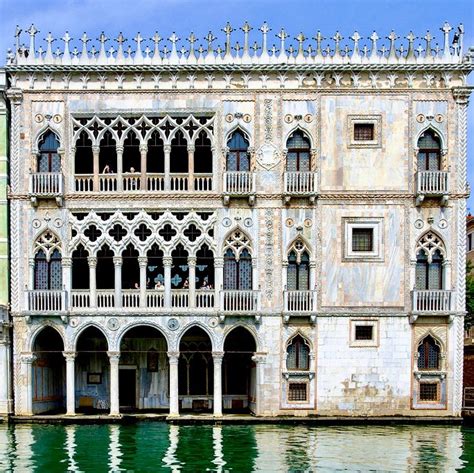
(350, 184)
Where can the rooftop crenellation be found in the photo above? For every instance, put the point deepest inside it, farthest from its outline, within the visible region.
(300, 50)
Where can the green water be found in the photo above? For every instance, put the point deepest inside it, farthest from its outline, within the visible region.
(152, 447)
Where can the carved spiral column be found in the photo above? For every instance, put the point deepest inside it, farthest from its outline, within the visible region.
(174, 392)
(92, 261)
(118, 280)
(70, 379)
(16, 98)
(114, 357)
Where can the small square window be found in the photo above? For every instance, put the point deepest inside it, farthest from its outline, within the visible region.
(362, 239)
(298, 392)
(429, 392)
(364, 332)
(363, 131)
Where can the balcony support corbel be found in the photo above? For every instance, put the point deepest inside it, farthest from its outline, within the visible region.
(419, 199)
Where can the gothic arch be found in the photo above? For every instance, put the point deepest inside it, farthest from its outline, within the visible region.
(139, 323)
(34, 334)
(250, 329)
(436, 338)
(291, 246)
(212, 337)
(429, 243)
(305, 338)
(436, 131)
(48, 241)
(237, 240)
(238, 127)
(45, 129)
(305, 133)
(87, 325)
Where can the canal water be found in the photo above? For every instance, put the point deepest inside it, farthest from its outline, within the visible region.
(153, 447)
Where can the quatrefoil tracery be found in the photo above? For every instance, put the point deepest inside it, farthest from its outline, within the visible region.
(428, 244)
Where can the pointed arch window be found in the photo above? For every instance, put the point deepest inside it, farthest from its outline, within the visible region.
(429, 152)
(298, 158)
(238, 157)
(48, 159)
(298, 270)
(429, 263)
(237, 271)
(297, 354)
(428, 354)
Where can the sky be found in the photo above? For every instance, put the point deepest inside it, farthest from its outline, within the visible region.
(200, 16)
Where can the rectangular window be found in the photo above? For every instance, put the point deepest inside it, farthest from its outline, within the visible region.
(364, 332)
(297, 392)
(363, 131)
(429, 392)
(469, 242)
(363, 239)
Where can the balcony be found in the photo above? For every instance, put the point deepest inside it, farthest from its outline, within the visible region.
(300, 184)
(239, 184)
(240, 302)
(299, 303)
(46, 185)
(47, 302)
(432, 184)
(432, 302)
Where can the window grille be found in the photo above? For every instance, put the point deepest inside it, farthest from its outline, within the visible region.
(429, 275)
(237, 273)
(363, 131)
(362, 239)
(364, 332)
(429, 391)
(298, 272)
(48, 274)
(428, 354)
(297, 355)
(298, 158)
(237, 157)
(297, 392)
(429, 152)
(48, 159)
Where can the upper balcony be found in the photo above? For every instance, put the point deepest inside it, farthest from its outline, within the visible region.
(299, 304)
(432, 184)
(46, 185)
(239, 184)
(300, 184)
(46, 301)
(432, 302)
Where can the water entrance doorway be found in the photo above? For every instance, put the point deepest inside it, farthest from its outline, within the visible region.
(127, 388)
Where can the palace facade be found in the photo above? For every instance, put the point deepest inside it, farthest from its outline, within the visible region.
(227, 230)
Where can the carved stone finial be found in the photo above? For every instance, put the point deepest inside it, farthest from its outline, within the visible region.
(392, 55)
(265, 30)
(49, 51)
(18, 31)
(156, 38)
(282, 35)
(102, 39)
(446, 29)
(428, 38)
(120, 40)
(32, 32)
(356, 37)
(227, 30)
(374, 37)
(337, 40)
(66, 38)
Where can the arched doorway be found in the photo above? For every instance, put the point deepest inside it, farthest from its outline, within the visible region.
(49, 373)
(196, 371)
(92, 372)
(143, 370)
(239, 371)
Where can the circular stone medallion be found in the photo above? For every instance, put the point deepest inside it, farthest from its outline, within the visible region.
(173, 324)
(442, 223)
(419, 224)
(213, 322)
(113, 323)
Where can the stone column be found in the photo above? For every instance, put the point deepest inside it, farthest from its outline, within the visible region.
(219, 279)
(447, 274)
(167, 262)
(27, 360)
(174, 393)
(217, 357)
(143, 170)
(92, 260)
(142, 261)
(114, 358)
(259, 359)
(5, 384)
(118, 280)
(31, 273)
(167, 152)
(96, 168)
(67, 279)
(70, 382)
(191, 149)
(119, 149)
(192, 281)
(215, 168)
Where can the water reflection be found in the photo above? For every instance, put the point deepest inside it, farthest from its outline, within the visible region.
(151, 447)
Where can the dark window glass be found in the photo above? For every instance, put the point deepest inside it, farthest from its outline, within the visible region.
(48, 160)
(298, 153)
(363, 131)
(48, 274)
(237, 273)
(298, 272)
(364, 332)
(429, 391)
(429, 275)
(237, 157)
(429, 152)
(362, 239)
(428, 354)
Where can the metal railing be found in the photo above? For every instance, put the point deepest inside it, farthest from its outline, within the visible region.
(432, 300)
(46, 184)
(46, 300)
(432, 182)
(299, 301)
(240, 301)
(300, 183)
(239, 182)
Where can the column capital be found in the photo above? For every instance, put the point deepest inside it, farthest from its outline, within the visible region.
(69, 355)
(95, 149)
(461, 95)
(15, 95)
(259, 357)
(92, 261)
(143, 148)
(218, 262)
(167, 148)
(119, 149)
(173, 357)
(142, 260)
(167, 261)
(117, 260)
(31, 262)
(114, 356)
(192, 260)
(191, 148)
(28, 358)
(66, 261)
(218, 356)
